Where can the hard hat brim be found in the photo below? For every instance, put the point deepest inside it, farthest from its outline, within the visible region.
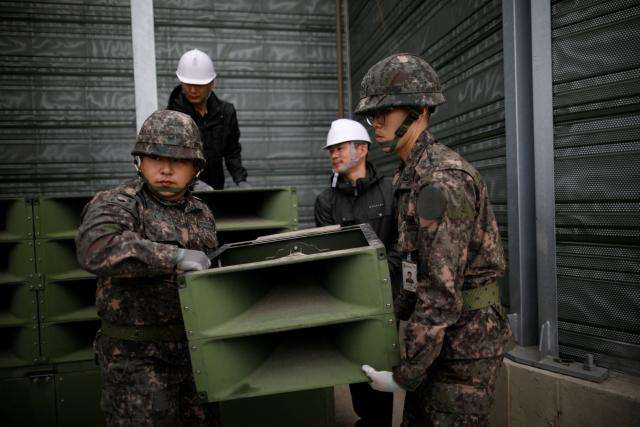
(195, 81)
(355, 141)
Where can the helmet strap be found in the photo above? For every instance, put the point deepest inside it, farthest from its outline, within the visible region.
(390, 144)
(408, 121)
(159, 190)
(406, 124)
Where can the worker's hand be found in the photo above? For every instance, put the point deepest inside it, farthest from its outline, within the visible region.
(190, 260)
(244, 184)
(381, 380)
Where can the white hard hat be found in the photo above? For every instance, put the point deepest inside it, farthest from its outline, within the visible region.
(196, 68)
(345, 130)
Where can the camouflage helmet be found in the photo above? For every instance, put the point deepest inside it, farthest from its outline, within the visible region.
(170, 134)
(402, 79)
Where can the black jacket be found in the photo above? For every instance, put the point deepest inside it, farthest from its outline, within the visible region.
(220, 136)
(370, 201)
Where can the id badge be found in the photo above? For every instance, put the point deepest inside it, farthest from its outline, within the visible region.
(409, 276)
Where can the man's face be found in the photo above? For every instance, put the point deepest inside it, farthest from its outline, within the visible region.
(385, 124)
(346, 155)
(166, 173)
(197, 94)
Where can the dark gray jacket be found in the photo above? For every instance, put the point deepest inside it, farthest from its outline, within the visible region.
(220, 136)
(369, 201)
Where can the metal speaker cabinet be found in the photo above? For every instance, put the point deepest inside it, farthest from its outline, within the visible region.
(289, 312)
(65, 394)
(15, 219)
(246, 213)
(68, 318)
(19, 283)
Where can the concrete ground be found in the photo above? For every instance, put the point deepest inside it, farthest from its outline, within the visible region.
(345, 417)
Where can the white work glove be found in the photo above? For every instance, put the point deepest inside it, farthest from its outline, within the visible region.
(244, 184)
(381, 380)
(190, 260)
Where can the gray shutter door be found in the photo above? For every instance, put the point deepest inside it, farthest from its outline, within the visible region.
(67, 122)
(276, 63)
(596, 97)
(67, 119)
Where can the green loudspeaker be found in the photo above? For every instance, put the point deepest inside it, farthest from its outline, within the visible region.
(19, 346)
(16, 221)
(17, 265)
(58, 218)
(244, 214)
(68, 318)
(18, 304)
(68, 341)
(290, 312)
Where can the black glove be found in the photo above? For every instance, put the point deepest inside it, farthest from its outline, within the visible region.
(190, 260)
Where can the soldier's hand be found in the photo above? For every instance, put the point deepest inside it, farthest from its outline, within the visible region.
(190, 260)
(381, 380)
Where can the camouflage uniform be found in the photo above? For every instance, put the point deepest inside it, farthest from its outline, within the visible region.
(129, 238)
(453, 353)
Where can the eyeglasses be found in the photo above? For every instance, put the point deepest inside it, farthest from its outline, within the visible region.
(377, 116)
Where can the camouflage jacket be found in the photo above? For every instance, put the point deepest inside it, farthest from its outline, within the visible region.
(129, 239)
(461, 249)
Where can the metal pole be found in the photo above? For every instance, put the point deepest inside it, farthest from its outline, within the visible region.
(144, 59)
(542, 99)
(520, 177)
(347, 54)
(528, 107)
(339, 58)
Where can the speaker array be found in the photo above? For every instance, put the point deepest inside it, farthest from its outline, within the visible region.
(298, 312)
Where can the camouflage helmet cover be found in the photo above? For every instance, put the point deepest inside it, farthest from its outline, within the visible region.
(402, 79)
(170, 134)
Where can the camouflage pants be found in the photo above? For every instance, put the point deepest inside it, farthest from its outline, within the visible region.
(455, 393)
(375, 408)
(147, 391)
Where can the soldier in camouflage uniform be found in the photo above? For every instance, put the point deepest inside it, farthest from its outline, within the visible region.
(136, 238)
(456, 332)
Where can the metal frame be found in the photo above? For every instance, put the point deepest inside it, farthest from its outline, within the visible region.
(520, 174)
(531, 188)
(144, 59)
(545, 208)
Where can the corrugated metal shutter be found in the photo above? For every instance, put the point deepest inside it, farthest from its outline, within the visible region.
(67, 118)
(67, 115)
(596, 86)
(276, 63)
(462, 40)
